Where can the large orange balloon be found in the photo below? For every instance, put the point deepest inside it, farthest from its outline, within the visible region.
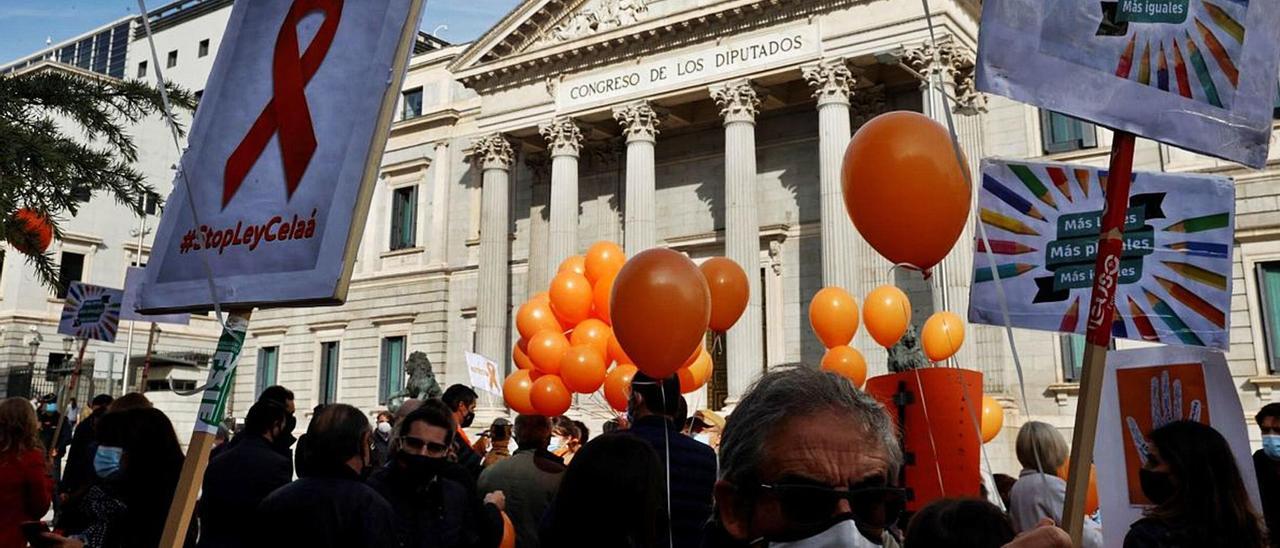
(660, 310)
(516, 391)
(550, 397)
(570, 298)
(603, 258)
(833, 315)
(616, 354)
(594, 333)
(582, 369)
(546, 348)
(617, 386)
(520, 355)
(508, 533)
(535, 316)
(942, 336)
(887, 312)
(576, 264)
(992, 418)
(905, 189)
(601, 292)
(693, 376)
(846, 362)
(729, 291)
(1091, 495)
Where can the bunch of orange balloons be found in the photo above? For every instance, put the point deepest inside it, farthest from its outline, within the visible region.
(833, 315)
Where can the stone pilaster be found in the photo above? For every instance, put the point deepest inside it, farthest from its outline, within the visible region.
(438, 241)
(494, 155)
(639, 123)
(564, 142)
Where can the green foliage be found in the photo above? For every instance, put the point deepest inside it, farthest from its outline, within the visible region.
(64, 134)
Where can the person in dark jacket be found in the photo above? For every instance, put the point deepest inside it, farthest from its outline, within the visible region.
(332, 506)
(528, 479)
(237, 481)
(461, 401)
(692, 465)
(78, 474)
(50, 415)
(1266, 463)
(381, 439)
(611, 495)
(283, 443)
(432, 510)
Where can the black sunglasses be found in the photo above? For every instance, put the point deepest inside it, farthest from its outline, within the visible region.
(876, 507)
(416, 444)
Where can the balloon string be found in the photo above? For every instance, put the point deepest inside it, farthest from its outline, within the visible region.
(924, 405)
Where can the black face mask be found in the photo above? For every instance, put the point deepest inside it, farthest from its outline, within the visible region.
(286, 440)
(420, 468)
(1157, 486)
(466, 421)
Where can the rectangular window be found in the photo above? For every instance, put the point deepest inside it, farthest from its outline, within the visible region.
(172, 60)
(70, 269)
(151, 203)
(404, 212)
(391, 370)
(1072, 357)
(412, 104)
(1269, 295)
(268, 363)
(142, 69)
(204, 48)
(1063, 133)
(328, 373)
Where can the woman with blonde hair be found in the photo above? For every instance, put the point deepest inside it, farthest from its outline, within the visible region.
(26, 488)
(1039, 492)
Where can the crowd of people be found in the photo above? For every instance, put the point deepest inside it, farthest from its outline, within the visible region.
(805, 460)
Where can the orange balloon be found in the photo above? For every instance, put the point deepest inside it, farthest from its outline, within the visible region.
(546, 348)
(594, 333)
(32, 232)
(729, 291)
(694, 375)
(992, 418)
(616, 354)
(570, 298)
(833, 315)
(516, 391)
(603, 259)
(887, 312)
(582, 368)
(942, 336)
(846, 362)
(520, 355)
(541, 296)
(617, 386)
(508, 533)
(550, 397)
(905, 189)
(535, 316)
(576, 264)
(660, 310)
(1091, 495)
(600, 294)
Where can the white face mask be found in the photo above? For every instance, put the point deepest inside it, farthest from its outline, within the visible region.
(384, 428)
(703, 437)
(556, 443)
(844, 534)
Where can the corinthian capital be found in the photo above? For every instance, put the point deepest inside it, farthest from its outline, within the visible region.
(945, 59)
(831, 80)
(639, 120)
(493, 151)
(738, 100)
(563, 136)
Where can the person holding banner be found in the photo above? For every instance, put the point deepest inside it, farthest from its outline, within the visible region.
(1200, 496)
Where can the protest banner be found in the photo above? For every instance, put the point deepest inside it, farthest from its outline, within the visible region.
(1198, 74)
(129, 305)
(1148, 388)
(1174, 282)
(91, 312)
(484, 374)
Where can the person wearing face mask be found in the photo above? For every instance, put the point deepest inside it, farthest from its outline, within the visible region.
(50, 415)
(1266, 464)
(381, 439)
(461, 401)
(433, 510)
(237, 480)
(529, 478)
(1199, 495)
(331, 506)
(564, 439)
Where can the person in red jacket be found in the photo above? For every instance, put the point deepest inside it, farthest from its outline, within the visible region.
(26, 487)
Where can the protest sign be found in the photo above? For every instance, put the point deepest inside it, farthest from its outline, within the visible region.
(1174, 273)
(1198, 74)
(484, 374)
(1148, 388)
(129, 306)
(91, 312)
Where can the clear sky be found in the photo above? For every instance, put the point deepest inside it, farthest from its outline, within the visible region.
(25, 24)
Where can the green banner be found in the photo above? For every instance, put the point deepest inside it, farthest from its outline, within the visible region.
(1077, 276)
(1138, 243)
(1152, 11)
(213, 405)
(1088, 223)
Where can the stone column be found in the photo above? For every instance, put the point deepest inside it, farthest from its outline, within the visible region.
(564, 141)
(640, 125)
(495, 156)
(437, 241)
(832, 82)
(739, 102)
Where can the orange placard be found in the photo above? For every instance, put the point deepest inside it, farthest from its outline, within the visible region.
(1151, 397)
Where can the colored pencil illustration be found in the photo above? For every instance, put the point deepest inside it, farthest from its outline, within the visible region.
(1005, 271)
(1172, 321)
(1199, 224)
(1005, 247)
(1126, 58)
(1082, 178)
(1005, 222)
(1180, 72)
(1142, 322)
(1200, 249)
(1022, 205)
(1193, 301)
(1144, 65)
(1033, 184)
(1059, 177)
(1118, 329)
(1162, 71)
(1225, 21)
(1195, 273)
(1071, 319)
(1219, 53)
(1202, 73)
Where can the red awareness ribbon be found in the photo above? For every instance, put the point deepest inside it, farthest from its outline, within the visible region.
(286, 114)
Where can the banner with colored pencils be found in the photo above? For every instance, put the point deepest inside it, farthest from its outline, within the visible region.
(1193, 73)
(1042, 223)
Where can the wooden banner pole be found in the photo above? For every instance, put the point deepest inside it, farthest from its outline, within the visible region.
(67, 388)
(1098, 332)
(212, 409)
(146, 359)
